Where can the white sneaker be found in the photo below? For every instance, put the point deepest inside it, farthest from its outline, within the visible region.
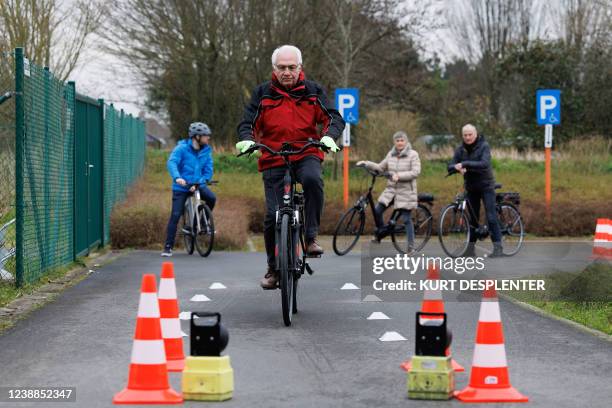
(167, 252)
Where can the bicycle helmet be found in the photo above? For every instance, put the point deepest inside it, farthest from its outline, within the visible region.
(199, 128)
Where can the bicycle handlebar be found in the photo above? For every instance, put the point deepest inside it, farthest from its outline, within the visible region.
(196, 185)
(285, 153)
(384, 174)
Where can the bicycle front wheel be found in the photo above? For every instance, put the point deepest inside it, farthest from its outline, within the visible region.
(186, 229)
(421, 223)
(205, 234)
(285, 260)
(348, 230)
(512, 229)
(454, 230)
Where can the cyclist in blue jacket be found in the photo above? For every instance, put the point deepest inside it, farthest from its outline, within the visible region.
(190, 163)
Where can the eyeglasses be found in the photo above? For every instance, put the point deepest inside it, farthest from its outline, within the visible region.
(291, 68)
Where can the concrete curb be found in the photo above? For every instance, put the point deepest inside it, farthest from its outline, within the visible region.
(24, 305)
(544, 313)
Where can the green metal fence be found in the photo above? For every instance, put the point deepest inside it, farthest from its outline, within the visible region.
(58, 170)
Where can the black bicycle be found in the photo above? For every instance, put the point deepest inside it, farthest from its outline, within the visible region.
(455, 232)
(198, 227)
(352, 223)
(290, 244)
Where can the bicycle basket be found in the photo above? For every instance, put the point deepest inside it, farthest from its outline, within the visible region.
(509, 197)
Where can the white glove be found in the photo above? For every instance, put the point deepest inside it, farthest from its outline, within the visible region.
(330, 144)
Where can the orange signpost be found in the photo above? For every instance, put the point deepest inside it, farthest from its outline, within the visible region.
(345, 176)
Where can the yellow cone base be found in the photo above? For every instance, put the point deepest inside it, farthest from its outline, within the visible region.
(208, 379)
(431, 378)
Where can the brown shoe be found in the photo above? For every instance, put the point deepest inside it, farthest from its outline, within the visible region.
(313, 248)
(270, 280)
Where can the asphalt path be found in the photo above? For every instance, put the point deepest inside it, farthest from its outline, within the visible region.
(330, 357)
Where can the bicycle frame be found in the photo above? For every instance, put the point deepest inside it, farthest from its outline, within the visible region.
(292, 207)
(191, 208)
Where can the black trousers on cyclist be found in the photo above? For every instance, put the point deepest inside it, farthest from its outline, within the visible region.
(178, 203)
(405, 214)
(308, 174)
(488, 197)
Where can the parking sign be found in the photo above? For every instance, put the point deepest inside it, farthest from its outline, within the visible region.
(548, 106)
(347, 103)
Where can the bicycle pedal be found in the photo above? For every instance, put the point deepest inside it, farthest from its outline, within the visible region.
(309, 269)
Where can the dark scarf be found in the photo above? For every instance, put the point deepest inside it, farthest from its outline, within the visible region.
(471, 147)
(296, 92)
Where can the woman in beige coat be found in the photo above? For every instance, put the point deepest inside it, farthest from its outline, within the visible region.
(404, 166)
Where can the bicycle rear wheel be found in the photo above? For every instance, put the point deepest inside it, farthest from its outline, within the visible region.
(186, 229)
(421, 222)
(454, 231)
(285, 256)
(512, 229)
(348, 230)
(205, 235)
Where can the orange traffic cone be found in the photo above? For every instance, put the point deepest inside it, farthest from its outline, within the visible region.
(433, 303)
(170, 323)
(602, 244)
(148, 378)
(489, 379)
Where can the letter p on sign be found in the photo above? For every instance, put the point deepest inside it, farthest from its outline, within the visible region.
(548, 106)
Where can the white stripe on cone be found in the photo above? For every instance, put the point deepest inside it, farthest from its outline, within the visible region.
(605, 228)
(432, 295)
(148, 305)
(148, 352)
(489, 355)
(167, 289)
(171, 328)
(489, 312)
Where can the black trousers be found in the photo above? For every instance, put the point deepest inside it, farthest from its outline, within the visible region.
(178, 203)
(488, 197)
(308, 174)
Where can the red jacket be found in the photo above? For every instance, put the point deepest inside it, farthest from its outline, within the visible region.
(276, 115)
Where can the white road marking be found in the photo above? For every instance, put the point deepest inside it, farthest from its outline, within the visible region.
(200, 298)
(392, 336)
(378, 316)
(217, 285)
(372, 298)
(349, 286)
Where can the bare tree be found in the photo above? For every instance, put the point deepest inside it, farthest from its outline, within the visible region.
(485, 29)
(53, 33)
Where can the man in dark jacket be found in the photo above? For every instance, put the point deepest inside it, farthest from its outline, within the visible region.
(290, 108)
(473, 160)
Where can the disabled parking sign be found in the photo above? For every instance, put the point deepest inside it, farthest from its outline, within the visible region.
(548, 106)
(347, 103)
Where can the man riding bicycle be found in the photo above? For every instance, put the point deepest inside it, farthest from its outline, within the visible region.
(190, 163)
(473, 160)
(289, 108)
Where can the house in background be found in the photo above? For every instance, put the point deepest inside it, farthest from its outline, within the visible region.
(158, 134)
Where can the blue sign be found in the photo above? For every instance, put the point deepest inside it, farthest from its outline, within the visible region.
(347, 103)
(548, 106)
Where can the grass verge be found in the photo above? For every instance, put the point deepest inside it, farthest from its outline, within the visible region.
(582, 297)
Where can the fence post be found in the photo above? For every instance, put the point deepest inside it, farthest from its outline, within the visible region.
(19, 132)
(102, 168)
